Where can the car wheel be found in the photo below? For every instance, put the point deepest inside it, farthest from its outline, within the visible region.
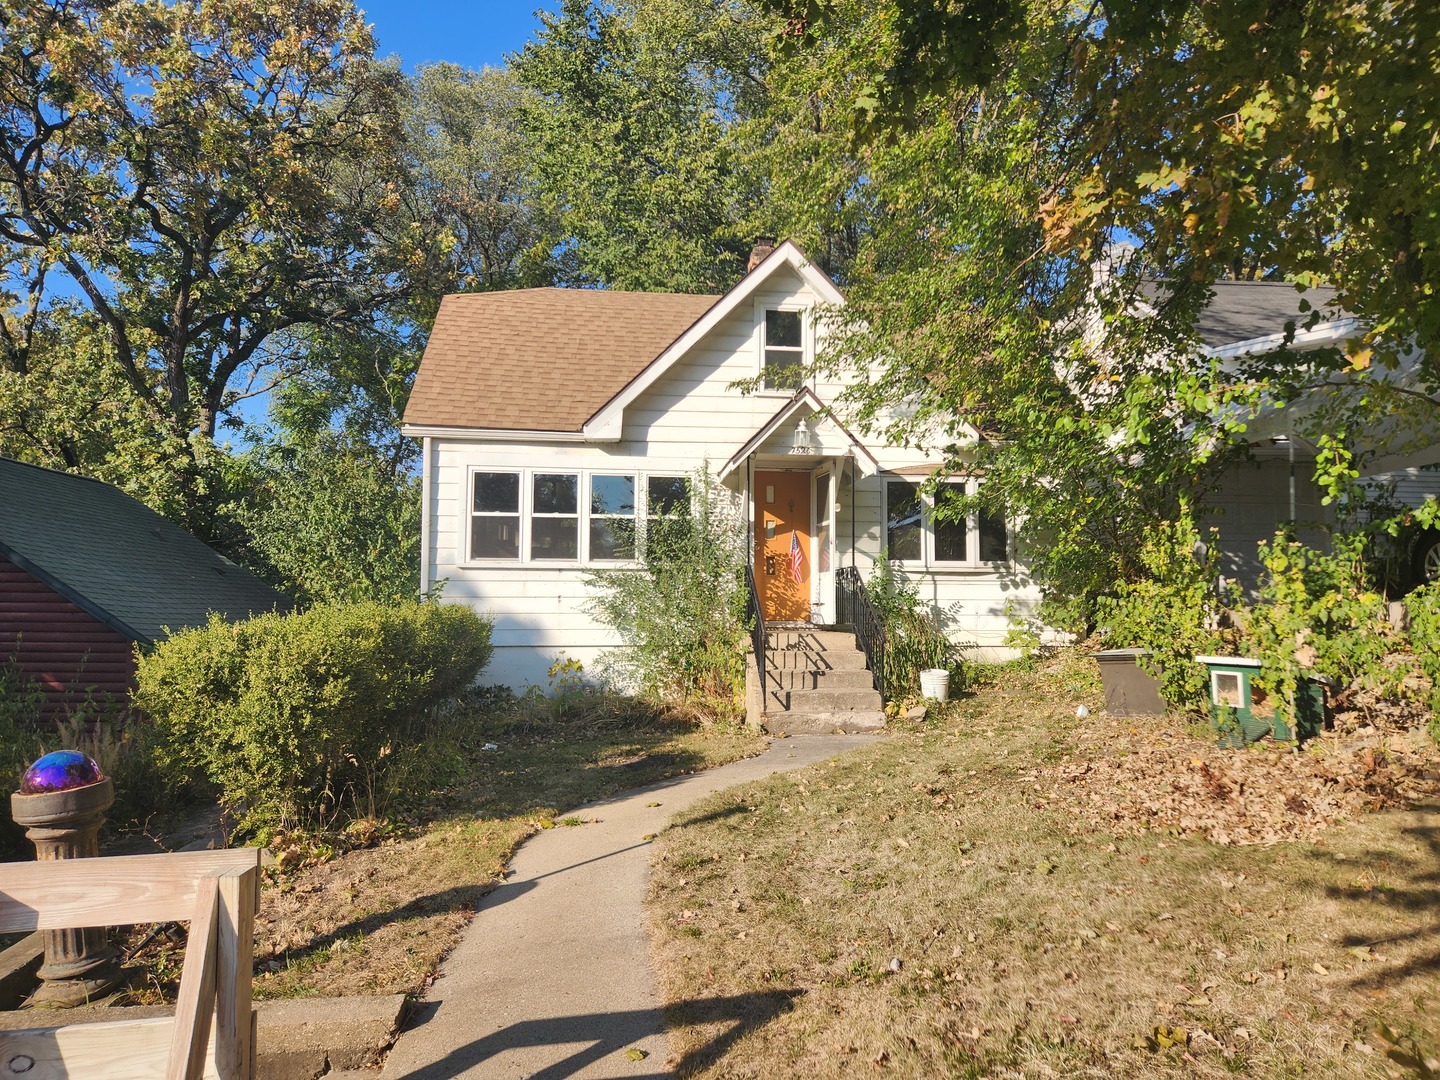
(1427, 558)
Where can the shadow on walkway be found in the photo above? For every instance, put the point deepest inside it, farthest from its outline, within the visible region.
(598, 1035)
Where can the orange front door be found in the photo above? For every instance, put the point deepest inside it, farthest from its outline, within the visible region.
(782, 522)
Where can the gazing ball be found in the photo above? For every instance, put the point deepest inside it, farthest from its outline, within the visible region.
(61, 770)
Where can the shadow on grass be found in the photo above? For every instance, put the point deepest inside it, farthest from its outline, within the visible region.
(562, 1046)
(1416, 895)
(458, 898)
(597, 786)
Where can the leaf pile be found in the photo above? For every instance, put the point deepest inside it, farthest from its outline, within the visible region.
(1134, 780)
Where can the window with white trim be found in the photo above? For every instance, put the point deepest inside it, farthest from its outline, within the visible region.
(495, 515)
(782, 348)
(904, 522)
(540, 516)
(555, 516)
(667, 508)
(915, 534)
(612, 517)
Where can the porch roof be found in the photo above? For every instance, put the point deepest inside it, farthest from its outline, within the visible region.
(805, 403)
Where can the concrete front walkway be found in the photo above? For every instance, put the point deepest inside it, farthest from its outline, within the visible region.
(553, 977)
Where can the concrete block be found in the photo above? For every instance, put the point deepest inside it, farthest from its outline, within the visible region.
(301, 1039)
(342, 1033)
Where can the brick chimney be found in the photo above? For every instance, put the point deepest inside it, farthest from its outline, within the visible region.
(764, 245)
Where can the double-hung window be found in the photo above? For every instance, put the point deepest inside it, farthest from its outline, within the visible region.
(904, 522)
(667, 511)
(916, 533)
(555, 516)
(495, 516)
(783, 349)
(612, 517)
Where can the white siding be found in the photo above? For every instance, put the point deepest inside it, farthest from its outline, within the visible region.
(1412, 486)
(689, 416)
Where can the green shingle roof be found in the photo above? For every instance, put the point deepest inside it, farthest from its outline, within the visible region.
(116, 558)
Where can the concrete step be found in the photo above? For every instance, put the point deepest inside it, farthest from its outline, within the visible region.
(805, 660)
(819, 640)
(832, 700)
(838, 679)
(824, 723)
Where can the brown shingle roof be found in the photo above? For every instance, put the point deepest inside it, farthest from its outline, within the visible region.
(541, 359)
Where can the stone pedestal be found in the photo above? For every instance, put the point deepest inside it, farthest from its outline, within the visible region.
(80, 966)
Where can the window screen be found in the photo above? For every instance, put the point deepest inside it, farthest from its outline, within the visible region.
(902, 521)
(612, 517)
(784, 349)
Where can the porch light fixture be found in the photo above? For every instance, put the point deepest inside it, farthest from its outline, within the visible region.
(800, 443)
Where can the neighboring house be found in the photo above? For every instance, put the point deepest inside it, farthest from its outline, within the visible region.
(555, 420)
(87, 573)
(1249, 318)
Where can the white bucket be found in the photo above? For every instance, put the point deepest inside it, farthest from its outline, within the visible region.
(935, 683)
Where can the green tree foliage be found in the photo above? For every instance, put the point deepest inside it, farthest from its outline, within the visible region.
(207, 177)
(632, 133)
(474, 175)
(332, 523)
(1229, 139)
(294, 718)
(1002, 356)
(69, 407)
(1173, 611)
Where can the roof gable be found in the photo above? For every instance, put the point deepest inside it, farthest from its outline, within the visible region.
(540, 360)
(117, 559)
(606, 423)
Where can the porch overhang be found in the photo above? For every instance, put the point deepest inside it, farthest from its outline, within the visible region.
(805, 404)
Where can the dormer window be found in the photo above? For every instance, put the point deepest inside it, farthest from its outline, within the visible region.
(783, 349)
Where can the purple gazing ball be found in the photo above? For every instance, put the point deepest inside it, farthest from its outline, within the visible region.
(61, 770)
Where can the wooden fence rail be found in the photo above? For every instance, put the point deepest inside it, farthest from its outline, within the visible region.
(212, 1034)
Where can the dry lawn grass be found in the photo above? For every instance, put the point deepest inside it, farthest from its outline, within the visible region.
(945, 905)
(378, 919)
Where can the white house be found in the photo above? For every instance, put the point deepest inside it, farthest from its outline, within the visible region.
(554, 422)
(550, 416)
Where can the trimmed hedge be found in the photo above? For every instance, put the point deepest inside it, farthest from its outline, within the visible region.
(294, 717)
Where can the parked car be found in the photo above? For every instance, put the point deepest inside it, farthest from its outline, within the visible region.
(1411, 558)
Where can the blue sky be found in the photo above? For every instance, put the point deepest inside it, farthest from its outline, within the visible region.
(471, 33)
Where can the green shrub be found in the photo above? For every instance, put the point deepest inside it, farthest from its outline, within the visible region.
(1423, 608)
(1173, 612)
(1317, 614)
(915, 641)
(681, 612)
(294, 717)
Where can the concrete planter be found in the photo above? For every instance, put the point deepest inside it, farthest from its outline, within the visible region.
(1130, 690)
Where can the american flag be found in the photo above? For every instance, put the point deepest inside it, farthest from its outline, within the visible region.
(797, 559)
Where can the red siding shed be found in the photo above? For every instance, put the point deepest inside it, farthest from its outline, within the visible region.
(67, 650)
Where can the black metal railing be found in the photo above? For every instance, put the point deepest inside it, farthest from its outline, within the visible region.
(856, 609)
(758, 639)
